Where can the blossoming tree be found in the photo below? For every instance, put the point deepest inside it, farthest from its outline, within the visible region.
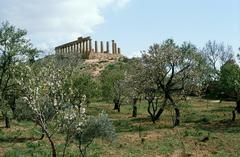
(51, 105)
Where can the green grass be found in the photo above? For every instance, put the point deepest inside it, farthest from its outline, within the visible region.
(140, 137)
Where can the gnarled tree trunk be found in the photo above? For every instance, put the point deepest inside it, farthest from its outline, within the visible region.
(177, 118)
(54, 153)
(134, 113)
(237, 108)
(6, 120)
(117, 104)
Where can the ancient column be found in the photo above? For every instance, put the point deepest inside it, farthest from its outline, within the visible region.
(80, 49)
(119, 51)
(87, 45)
(90, 45)
(84, 47)
(96, 47)
(113, 47)
(73, 47)
(77, 46)
(107, 45)
(70, 48)
(101, 46)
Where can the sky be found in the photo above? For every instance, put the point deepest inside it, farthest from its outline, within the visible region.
(133, 24)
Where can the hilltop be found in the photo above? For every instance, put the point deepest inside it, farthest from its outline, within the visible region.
(89, 66)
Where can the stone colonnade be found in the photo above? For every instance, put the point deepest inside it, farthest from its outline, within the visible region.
(84, 47)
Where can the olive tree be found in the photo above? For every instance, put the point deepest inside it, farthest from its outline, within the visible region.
(112, 83)
(230, 82)
(57, 99)
(169, 68)
(45, 95)
(216, 55)
(135, 84)
(94, 127)
(14, 49)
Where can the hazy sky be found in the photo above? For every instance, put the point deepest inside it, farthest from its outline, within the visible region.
(134, 24)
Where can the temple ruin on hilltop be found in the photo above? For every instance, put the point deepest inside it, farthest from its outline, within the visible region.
(83, 46)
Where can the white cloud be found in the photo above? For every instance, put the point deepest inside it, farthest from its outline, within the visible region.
(49, 22)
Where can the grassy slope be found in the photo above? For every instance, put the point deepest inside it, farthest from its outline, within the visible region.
(202, 119)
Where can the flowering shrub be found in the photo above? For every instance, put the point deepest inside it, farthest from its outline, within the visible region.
(57, 105)
(54, 108)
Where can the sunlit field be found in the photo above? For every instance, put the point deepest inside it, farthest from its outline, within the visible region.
(206, 129)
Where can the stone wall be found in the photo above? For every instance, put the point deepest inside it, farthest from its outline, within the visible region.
(104, 56)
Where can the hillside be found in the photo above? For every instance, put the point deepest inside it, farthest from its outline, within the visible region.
(90, 66)
(95, 66)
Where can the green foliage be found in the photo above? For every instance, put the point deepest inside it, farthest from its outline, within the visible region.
(171, 71)
(15, 50)
(97, 127)
(230, 78)
(216, 54)
(110, 78)
(83, 84)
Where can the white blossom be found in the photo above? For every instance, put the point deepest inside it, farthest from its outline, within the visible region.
(82, 110)
(55, 102)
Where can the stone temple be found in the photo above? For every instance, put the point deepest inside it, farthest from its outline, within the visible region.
(83, 47)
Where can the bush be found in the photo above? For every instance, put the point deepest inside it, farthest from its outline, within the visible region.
(98, 127)
(95, 127)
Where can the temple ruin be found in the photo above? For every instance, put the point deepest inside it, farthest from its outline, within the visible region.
(83, 47)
